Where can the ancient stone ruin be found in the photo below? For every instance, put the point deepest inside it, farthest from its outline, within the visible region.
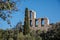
(37, 23)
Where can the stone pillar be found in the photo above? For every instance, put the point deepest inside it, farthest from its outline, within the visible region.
(29, 16)
(46, 22)
(33, 19)
(39, 22)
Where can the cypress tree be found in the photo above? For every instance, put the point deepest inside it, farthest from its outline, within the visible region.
(26, 22)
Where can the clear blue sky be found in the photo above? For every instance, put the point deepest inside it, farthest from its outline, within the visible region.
(48, 8)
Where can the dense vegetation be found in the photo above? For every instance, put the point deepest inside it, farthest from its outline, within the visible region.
(15, 34)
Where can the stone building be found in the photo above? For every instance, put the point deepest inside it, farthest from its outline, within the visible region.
(37, 23)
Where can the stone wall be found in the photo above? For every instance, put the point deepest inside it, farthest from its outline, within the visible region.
(33, 19)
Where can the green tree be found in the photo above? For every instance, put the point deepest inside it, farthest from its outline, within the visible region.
(6, 8)
(26, 22)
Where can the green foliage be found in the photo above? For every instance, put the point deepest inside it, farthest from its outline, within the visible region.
(10, 39)
(6, 5)
(6, 8)
(26, 22)
(28, 37)
(52, 34)
(14, 35)
(20, 36)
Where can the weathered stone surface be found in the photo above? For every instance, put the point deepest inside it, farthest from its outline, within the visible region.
(33, 20)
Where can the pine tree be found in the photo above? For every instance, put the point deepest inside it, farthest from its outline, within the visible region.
(26, 22)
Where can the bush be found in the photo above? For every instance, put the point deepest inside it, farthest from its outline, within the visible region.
(10, 39)
(20, 36)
